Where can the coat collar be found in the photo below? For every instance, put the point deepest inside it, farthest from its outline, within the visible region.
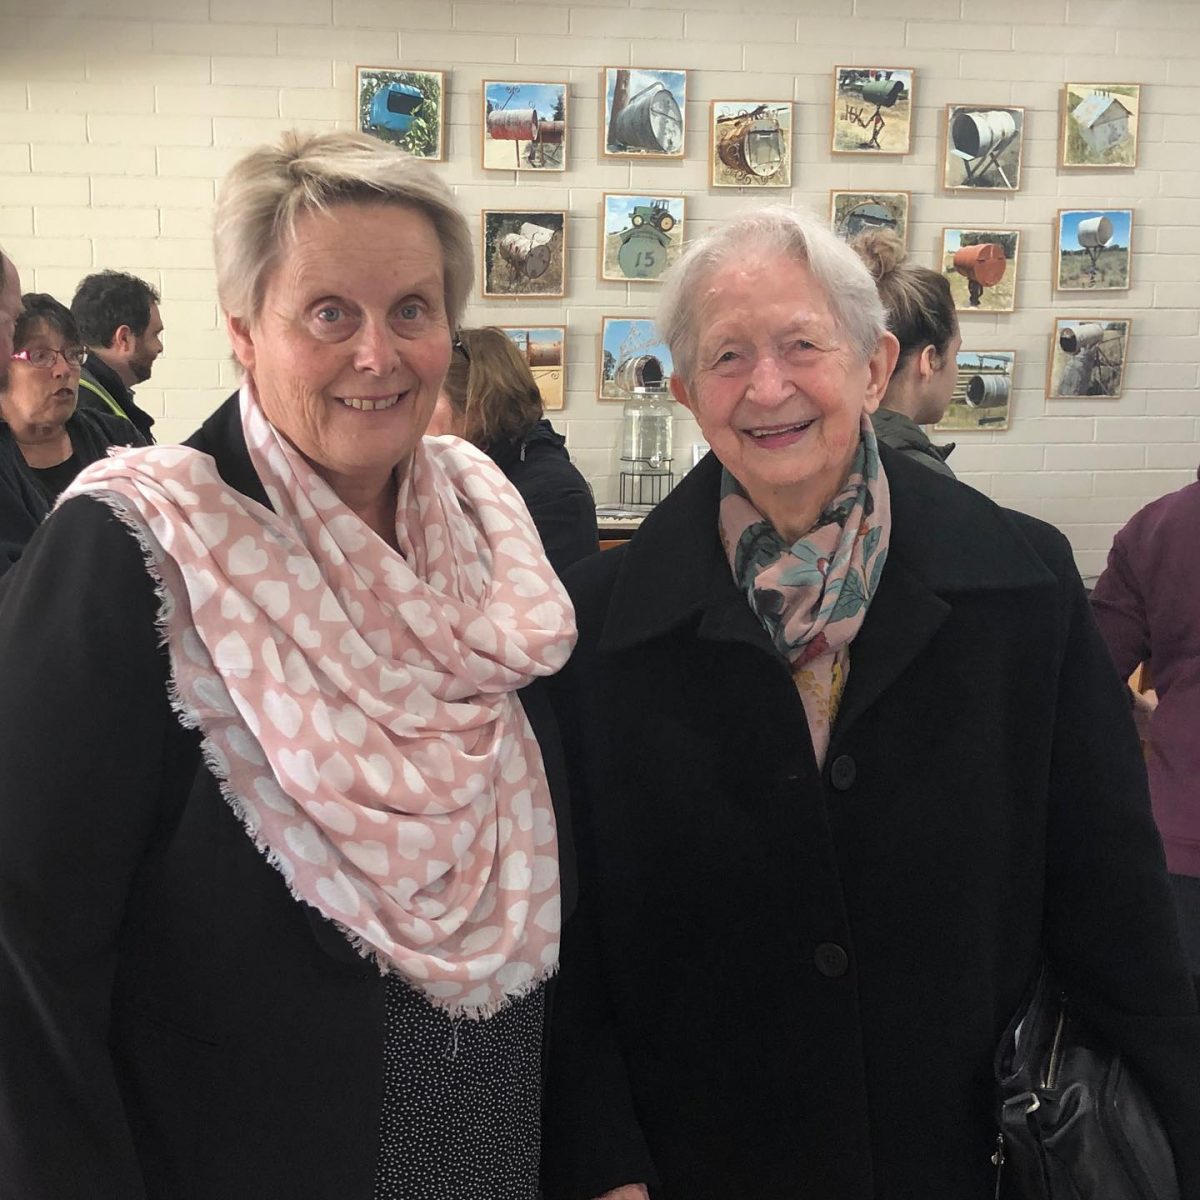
(947, 539)
(222, 437)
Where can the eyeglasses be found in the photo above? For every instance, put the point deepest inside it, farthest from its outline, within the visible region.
(44, 357)
(459, 345)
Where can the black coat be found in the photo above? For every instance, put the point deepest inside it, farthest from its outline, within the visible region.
(98, 374)
(173, 1024)
(556, 494)
(785, 981)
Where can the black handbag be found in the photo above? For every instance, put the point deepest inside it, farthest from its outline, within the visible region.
(1074, 1122)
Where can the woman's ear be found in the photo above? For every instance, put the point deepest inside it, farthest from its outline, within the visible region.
(242, 340)
(680, 391)
(880, 366)
(929, 362)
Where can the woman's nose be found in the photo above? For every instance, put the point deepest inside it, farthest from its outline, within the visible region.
(769, 382)
(376, 351)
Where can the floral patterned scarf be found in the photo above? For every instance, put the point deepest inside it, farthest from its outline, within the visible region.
(358, 704)
(812, 596)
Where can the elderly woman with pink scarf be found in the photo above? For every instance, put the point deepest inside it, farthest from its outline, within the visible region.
(848, 766)
(279, 884)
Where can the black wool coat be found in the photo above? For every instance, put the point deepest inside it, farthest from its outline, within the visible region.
(173, 1024)
(788, 980)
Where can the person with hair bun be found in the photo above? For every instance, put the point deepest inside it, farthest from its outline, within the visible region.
(920, 312)
(491, 399)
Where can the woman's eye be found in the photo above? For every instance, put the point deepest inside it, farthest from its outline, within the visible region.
(329, 314)
(410, 311)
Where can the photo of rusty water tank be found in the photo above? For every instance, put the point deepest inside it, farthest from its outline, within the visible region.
(524, 126)
(852, 213)
(982, 391)
(524, 253)
(644, 112)
(544, 348)
(981, 265)
(750, 143)
(872, 110)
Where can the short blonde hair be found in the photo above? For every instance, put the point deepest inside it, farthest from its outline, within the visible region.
(264, 193)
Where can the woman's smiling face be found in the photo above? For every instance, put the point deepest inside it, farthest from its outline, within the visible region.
(778, 390)
(349, 349)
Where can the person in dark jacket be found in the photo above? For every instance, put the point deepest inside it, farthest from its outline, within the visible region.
(122, 327)
(45, 438)
(491, 399)
(280, 892)
(1146, 605)
(920, 312)
(849, 763)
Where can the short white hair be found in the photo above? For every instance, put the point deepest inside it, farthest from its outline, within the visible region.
(783, 233)
(264, 193)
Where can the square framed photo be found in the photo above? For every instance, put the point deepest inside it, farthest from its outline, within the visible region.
(750, 143)
(1094, 246)
(872, 110)
(524, 253)
(981, 265)
(852, 213)
(631, 350)
(644, 112)
(643, 236)
(524, 126)
(545, 350)
(982, 147)
(982, 391)
(1087, 357)
(406, 108)
(1100, 125)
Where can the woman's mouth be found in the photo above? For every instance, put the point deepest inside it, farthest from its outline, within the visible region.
(779, 435)
(371, 403)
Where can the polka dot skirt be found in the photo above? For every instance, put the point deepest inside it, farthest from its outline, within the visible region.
(461, 1115)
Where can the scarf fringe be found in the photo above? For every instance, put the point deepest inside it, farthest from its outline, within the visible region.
(214, 762)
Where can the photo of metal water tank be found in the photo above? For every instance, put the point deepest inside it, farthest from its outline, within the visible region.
(750, 143)
(644, 112)
(1087, 357)
(983, 391)
(983, 147)
(852, 213)
(404, 108)
(524, 253)
(642, 236)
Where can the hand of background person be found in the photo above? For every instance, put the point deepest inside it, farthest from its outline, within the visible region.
(629, 1191)
(1144, 704)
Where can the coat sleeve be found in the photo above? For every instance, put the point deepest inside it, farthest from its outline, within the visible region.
(84, 727)
(591, 1140)
(565, 519)
(1120, 611)
(1109, 921)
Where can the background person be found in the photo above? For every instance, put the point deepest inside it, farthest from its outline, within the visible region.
(46, 434)
(920, 312)
(1145, 603)
(119, 319)
(283, 929)
(491, 398)
(848, 761)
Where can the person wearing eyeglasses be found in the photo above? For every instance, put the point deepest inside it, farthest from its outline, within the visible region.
(53, 439)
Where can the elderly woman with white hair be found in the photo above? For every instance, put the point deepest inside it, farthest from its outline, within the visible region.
(279, 890)
(848, 766)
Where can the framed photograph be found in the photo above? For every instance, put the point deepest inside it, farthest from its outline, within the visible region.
(982, 391)
(524, 126)
(872, 110)
(643, 236)
(406, 108)
(631, 355)
(1094, 246)
(524, 253)
(750, 143)
(982, 148)
(852, 213)
(544, 348)
(1100, 125)
(644, 109)
(1087, 356)
(981, 265)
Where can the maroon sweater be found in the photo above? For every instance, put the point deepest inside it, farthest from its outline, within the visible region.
(1147, 604)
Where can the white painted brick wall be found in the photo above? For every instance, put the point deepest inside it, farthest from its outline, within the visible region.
(118, 116)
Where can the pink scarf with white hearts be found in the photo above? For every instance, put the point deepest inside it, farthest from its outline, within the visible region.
(359, 706)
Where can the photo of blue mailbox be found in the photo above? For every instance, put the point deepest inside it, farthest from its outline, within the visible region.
(394, 106)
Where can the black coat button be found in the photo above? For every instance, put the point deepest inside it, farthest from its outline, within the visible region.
(843, 772)
(831, 960)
